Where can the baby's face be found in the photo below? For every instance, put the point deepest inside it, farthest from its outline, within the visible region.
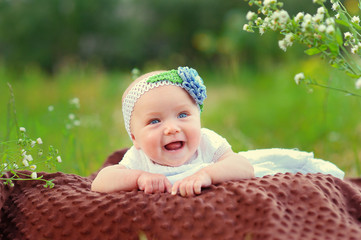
(166, 125)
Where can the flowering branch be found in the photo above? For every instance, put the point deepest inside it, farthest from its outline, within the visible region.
(321, 33)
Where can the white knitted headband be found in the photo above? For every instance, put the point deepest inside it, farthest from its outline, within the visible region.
(184, 77)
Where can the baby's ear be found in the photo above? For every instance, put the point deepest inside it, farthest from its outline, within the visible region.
(135, 143)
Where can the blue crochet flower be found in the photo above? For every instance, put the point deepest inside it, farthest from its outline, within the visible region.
(193, 84)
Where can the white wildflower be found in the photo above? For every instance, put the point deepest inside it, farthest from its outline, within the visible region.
(76, 122)
(58, 158)
(321, 10)
(75, 102)
(25, 162)
(307, 22)
(268, 2)
(39, 141)
(335, 7)
(358, 83)
(258, 21)
(334, 1)
(322, 28)
(355, 19)
(34, 175)
(282, 44)
(299, 77)
(32, 143)
(251, 16)
(22, 129)
(71, 116)
(50, 108)
(319, 1)
(246, 27)
(29, 158)
(261, 30)
(23, 152)
(299, 17)
(289, 38)
(337, 16)
(347, 35)
(330, 29)
(330, 21)
(318, 18)
(33, 167)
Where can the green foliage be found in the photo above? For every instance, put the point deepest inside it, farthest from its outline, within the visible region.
(251, 109)
(121, 34)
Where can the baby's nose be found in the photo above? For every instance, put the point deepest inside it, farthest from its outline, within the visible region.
(171, 129)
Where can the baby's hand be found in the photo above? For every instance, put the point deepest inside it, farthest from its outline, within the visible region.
(152, 183)
(193, 184)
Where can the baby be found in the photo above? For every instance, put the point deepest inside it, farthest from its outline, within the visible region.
(170, 152)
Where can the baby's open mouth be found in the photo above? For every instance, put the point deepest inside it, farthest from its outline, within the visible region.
(174, 146)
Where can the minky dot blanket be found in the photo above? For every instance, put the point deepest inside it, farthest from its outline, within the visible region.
(282, 206)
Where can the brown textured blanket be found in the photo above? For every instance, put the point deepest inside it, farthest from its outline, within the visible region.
(284, 206)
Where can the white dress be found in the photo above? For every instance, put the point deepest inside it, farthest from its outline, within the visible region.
(213, 146)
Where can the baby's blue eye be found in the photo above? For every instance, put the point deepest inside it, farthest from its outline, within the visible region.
(154, 121)
(182, 115)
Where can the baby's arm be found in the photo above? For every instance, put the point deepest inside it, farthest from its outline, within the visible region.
(118, 177)
(231, 166)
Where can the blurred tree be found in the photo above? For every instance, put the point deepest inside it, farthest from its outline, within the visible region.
(126, 33)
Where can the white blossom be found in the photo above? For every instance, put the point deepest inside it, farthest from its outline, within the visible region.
(22, 129)
(39, 141)
(34, 175)
(50, 108)
(23, 152)
(268, 2)
(32, 143)
(299, 77)
(76, 122)
(337, 16)
(282, 44)
(261, 30)
(289, 38)
(251, 16)
(358, 83)
(58, 158)
(29, 157)
(335, 7)
(347, 35)
(33, 167)
(321, 10)
(71, 116)
(319, 1)
(318, 18)
(258, 21)
(355, 19)
(246, 27)
(330, 21)
(75, 102)
(299, 17)
(330, 29)
(25, 162)
(322, 28)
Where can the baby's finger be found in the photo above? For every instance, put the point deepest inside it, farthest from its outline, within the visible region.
(168, 186)
(161, 186)
(175, 188)
(197, 187)
(148, 188)
(190, 189)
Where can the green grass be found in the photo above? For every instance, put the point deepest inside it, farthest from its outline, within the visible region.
(264, 109)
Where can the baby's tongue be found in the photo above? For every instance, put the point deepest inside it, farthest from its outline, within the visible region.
(173, 145)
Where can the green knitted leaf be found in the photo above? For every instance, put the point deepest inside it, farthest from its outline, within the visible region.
(171, 76)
